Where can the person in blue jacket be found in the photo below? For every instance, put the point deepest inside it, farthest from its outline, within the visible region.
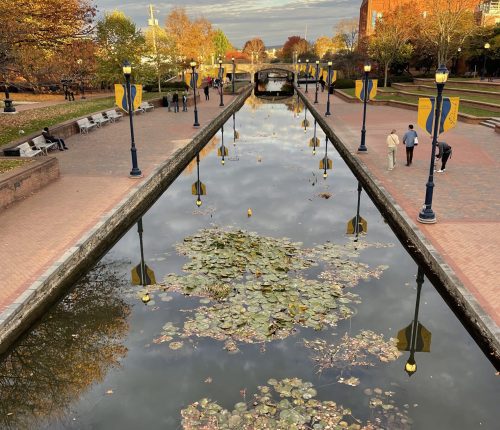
(410, 139)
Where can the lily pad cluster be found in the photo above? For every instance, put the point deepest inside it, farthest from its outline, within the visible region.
(364, 349)
(287, 404)
(254, 288)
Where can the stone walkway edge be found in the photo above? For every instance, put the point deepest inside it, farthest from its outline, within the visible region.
(44, 292)
(464, 305)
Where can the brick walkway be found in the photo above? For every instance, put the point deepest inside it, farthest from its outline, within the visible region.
(37, 231)
(466, 197)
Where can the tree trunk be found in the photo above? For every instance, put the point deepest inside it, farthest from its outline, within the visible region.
(386, 71)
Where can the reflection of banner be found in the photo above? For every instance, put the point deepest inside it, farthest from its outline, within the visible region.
(198, 188)
(121, 96)
(372, 89)
(222, 151)
(326, 164)
(422, 339)
(362, 226)
(427, 111)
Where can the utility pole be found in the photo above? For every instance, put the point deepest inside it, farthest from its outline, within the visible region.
(153, 23)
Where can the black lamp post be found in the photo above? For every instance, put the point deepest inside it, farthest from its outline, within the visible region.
(135, 172)
(486, 47)
(307, 73)
(221, 84)
(193, 65)
(298, 73)
(362, 146)
(234, 73)
(427, 215)
(317, 73)
(329, 79)
(82, 86)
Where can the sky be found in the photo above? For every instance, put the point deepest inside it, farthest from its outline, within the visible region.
(271, 20)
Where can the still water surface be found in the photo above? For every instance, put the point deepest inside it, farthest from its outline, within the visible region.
(92, 362)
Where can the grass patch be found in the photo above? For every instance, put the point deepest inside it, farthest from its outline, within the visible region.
(492, 98)
(6, 165)
(414, 100)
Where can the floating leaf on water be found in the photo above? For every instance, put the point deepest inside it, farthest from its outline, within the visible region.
(176, 345)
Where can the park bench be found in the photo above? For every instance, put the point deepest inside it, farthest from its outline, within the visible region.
(85, 125)
(42, 144)
(146, 106)
(113, 115)
(99, 119)
(25, 150)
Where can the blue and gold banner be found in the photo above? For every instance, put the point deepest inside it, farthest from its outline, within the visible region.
(333, 76)
(188, 78)
(121, 96)
(427, 111)
(372, 89)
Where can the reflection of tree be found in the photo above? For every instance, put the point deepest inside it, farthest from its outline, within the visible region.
(293, 105)
(254, 102)
(207, 149)
(73, 347)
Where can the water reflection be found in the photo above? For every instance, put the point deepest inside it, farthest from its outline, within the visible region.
(357, 224)
(415, 337)
(142, 274)
(73, 348)
(222, 151)
(236, 134)
(325, 163)
(305, 121)
(314, 141)
(198, 188)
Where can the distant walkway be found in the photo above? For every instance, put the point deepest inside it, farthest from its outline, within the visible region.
(36, 232)
(466, 197)
(29, 104)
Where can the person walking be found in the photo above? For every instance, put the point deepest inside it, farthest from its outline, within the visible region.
(392, 143)
(51, 138)
(410, 139)
(184, 102)
(444, 154)
(322, 83)
(175, 101)
(206, 90)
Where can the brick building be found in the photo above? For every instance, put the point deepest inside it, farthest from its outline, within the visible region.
(487, 12)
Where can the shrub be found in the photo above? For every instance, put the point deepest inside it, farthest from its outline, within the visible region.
(344, 83)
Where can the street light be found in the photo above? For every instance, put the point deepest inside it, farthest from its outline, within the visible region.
(486, 47)
(221, 84)
(299, 61)
(317, 73)
(82, 86)
(427, 215)
(127, 71)
(362, 146)
(307, 73)
(234, 72)
(196, 123)
(327, 113)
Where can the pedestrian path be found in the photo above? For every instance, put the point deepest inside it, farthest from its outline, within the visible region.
(466, 197)
(37, 231)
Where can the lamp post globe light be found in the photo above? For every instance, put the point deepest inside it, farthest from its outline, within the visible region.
(427, 215)
(317, 73)
(221, 84)
(234, 73)
(82, 85)
(299, 61)
(362, 146)
(307, 73)
(486, 47)
(127, 71)
(329, 78)
(196, 123)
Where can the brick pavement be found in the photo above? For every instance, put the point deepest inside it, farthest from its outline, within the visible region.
(466, 197)
(37, 231)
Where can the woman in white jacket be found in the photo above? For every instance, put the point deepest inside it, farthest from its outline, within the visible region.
(392, 143)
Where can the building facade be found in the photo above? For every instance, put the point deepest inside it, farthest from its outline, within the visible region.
(487, 12)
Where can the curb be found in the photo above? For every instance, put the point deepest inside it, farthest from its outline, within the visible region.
(463, 304)
(92, 246)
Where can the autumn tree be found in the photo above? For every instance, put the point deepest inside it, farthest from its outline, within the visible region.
(390, 43)
(221, 44)
(118, 40)
(160, 54)
(294, 44)
(446, 24)
(346, 34)
(323, 45)
(255, 49)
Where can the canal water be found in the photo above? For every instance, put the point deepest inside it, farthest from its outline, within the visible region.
(265, 312)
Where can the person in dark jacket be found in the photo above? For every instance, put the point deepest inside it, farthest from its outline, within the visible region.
(50, 138)
(443, 154)
(322, 83)
(206, 90)
(175, 101)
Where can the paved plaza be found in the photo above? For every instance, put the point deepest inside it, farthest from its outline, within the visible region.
(466, 197)
(37, 231)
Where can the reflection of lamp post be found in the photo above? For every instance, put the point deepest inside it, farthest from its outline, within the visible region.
(486, 47)
(307, 72)
(362, 146)
(135, 172)
(329, 79)
(315, 140)
(193, 65)
(305, 123)
(356, 228)
(427, 215)
(234, 72)
(317, 73)
(82, 86)
(298, 72)
(221, 84)
(198, 183)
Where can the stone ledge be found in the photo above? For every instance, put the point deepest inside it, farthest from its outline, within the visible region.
(108, 230)
(461, 302)
(23, 181)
